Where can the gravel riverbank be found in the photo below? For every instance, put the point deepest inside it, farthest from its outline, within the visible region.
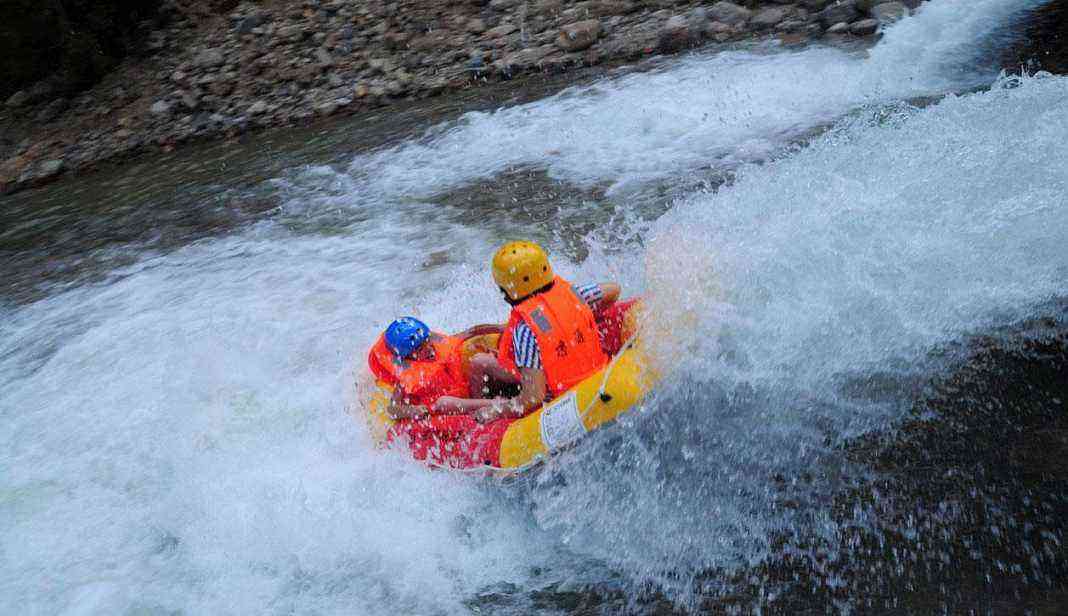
(204, 75)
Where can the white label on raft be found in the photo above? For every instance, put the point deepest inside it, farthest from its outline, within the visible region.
(560, 422)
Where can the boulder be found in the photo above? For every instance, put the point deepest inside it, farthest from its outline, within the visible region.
(864, 27)
(888, 12)
(768, 17)
(579, 35)
(838, 28)
(815, 5)
(729, 13)
(840, 10)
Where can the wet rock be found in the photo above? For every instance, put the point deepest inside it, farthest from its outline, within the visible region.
(768, 17)
(502, 30)
(42, 173)
(729, 13)
(524, 60)
(579, 35)
(53, 110)
(18, 99)
(504, 5)
(209, 58)
(605, 8)
(188, 100)
(864, 27)
(257, 108)
(323, 58)
(475, 26)
(326, 109)
(815, 5)
(840, 10)
(888, 12)
(250, 23)
(838, 28)
(292, 33)
(677, 34)
(161, 108)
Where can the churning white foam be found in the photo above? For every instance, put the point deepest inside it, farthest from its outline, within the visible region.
(841, 266)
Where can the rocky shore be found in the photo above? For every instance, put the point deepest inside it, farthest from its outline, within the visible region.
(205, 74)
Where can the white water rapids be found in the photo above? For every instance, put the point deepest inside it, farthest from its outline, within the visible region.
(175, 439)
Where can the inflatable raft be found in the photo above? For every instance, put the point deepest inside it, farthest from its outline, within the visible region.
(459, 442)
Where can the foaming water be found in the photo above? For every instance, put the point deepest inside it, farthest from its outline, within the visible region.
(173, 437)
(887, 237)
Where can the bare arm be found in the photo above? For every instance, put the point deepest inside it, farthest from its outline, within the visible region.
(400, 409)
(609, 294)
(531, 395)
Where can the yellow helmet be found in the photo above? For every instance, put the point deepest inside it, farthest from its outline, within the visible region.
(521, 268)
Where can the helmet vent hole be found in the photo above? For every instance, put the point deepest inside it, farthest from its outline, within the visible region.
(544, 268)
(526, 278)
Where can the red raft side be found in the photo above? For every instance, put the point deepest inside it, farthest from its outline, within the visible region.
(453, 441)
(460, 442)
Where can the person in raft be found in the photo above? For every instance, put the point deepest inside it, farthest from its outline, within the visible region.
(423, 366)
(551, 341)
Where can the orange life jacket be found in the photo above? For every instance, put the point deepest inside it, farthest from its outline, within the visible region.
(423, 382)
(566, 331)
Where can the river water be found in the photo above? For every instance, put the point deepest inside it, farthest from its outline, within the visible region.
(844, 237)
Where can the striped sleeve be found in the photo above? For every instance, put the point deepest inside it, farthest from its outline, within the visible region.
(590, 293)
(525, 347)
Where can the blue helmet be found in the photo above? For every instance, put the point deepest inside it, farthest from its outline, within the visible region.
(405, 335)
